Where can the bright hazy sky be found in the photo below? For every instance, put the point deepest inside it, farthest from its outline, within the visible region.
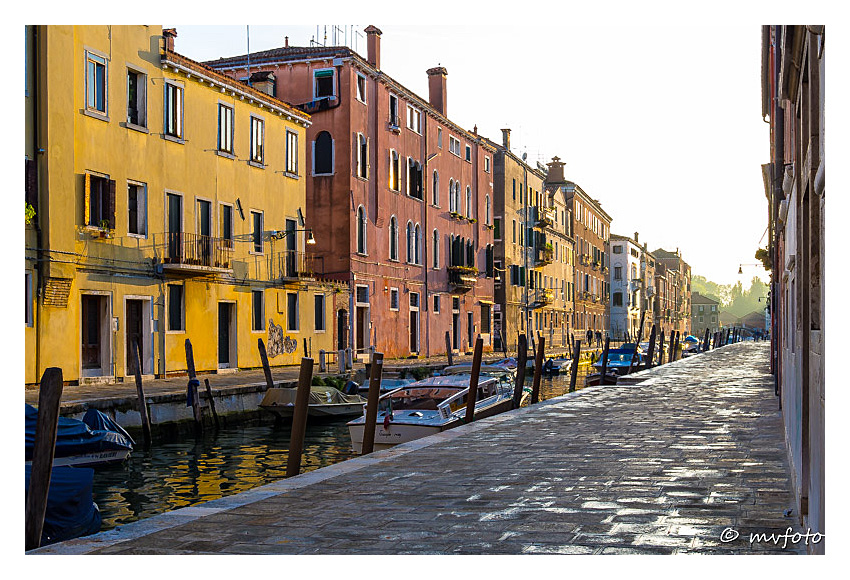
(661, 124)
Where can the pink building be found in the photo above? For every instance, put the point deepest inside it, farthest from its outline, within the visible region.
(400, 198)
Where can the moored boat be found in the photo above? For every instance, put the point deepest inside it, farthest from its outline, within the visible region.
(96, 440)
(324, 402)
(70, 511)
(430, 406)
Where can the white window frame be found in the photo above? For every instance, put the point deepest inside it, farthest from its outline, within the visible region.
(178, 114)
(360, 209)
(333, 155)
(394, 292)
(487, 163)
(316, 85)
(316, 320)
(439, 137)
(393, 239)
(90, 108)
(414, 119)
(289, 321)
(395, 171)
(436, 303)
(262, 294)
(468, 153)
(182, 329)
(257, 141)
(393, 114)
(435, 264)
(141, 98)
(229, 149)
(143, 214)
(253, 249)
(227, 242)
(435, 187)
(360, 81)
(361, 167)
(454, 145)
(291, 168)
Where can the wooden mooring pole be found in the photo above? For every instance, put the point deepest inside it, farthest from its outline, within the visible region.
(299, 418)
(602, 378)
(521, 359)
(672, 351)
(651, 350)
(140, 392)
(538, 369)
(211, 401)
(661, 347)
(261, 346)
(49, 395)
(372, 403)
(449, 349)
(193, 386)
(574, 369)
(676, 347)
(473, 380)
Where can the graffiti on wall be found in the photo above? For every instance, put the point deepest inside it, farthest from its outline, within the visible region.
(278, 343)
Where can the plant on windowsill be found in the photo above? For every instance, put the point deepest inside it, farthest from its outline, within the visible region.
(463, 269)
(104, 232)
(29, 214)
(455, 215)
(472, 220)
(489, 226)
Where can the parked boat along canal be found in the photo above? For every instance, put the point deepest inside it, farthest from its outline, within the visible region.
(189, 470)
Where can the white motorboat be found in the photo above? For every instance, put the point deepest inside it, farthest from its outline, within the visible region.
(324, 402)
(430, 406)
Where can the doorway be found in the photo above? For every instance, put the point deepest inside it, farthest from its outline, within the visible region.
(414, 322)
(226, 335)
(95, 345)
(341, 329)
(135, 335)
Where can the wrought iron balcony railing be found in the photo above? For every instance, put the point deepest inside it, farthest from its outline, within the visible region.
(294, 264)
(462, 278)
(194, 253)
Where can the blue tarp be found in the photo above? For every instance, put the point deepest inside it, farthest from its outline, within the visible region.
(75, 437)
(70, 513)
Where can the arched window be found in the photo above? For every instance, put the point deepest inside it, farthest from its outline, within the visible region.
(323, 154)
(394, 182)
(393, 239)
(452, 195)
(487, 210)
(468, 202)
(436, 244)
(470, 254)
(417, 242)
(410, 247)
(361, 230)
(435, 189)
(457, 197)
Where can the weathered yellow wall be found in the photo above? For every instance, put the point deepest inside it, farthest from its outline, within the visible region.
(122, 266)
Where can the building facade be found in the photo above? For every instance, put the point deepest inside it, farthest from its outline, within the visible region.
(627, 288)
(678, 281)
(168, 203)
(793, 76)
(705, 314)
(403, 198)
(589, 230)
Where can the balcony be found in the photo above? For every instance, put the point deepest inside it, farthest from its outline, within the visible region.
(193, 254)
(544, 255)
(543, 297)
(319, 104)
(294, 264)
(462, 278)
(543, 217)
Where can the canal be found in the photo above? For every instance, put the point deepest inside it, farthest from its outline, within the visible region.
(193, 470)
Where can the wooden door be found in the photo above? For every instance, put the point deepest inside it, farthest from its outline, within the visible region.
(134, 335)
(91, 339)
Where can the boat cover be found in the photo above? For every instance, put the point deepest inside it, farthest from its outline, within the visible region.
(70, 513)
(74, 437)
(319, 395)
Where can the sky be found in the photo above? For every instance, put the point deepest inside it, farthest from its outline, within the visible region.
(661, 124)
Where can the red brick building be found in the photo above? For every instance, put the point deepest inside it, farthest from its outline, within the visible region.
(400, 198)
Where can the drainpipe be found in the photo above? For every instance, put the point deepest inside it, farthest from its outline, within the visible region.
(39, 263)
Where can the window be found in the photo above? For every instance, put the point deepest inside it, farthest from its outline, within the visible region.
(417, 243)
(452, 207)
(713, 308)
(173, 111)
(395, 181)
(486, 164)
(439, 137)
(257, 140)
(137, 209)
(225, 128)
(175, 307)
(618, 272)
(487, 209)
(488, 261)
(414, 178)
(258, 314)
(393, 112)
(136, 98)
(436, 244)
(362, 156)
(361, 88)
(323, 154)
(700, 319)
(618, 249)
(454, 146)
(514, 190)
(410, 243)
(292, 312)
(393, 298)
(96, 83)
(513, 232)
(485, 319)
(323, 84)
(414, 119)
(435, 189)
(497, 229)
(436, 303)
(291, 153)
(361, 231)
(28, 298)
(226, 225)
(257, 231)
(468, 202)
(701, 308)
(99, 201)
(468, 154)
(393, 238)
(319, 312)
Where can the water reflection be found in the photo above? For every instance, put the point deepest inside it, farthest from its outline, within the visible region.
(178, 474)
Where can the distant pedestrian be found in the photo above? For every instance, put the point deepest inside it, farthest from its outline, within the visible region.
(598, 339)
(589, 337)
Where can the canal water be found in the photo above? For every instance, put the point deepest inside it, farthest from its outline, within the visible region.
(194, 470)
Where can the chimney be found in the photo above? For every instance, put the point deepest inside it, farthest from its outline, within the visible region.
(263, 81)
(437, 88)
(286, 42)
(373, 46)
(506, 139)
(556, 171)
(636, 237)
(169, 34)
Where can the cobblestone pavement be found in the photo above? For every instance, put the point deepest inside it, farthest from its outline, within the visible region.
(664, 466)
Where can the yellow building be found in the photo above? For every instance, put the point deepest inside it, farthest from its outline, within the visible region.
(170, 203)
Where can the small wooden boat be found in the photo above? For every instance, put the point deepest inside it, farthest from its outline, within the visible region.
(324, 402)
(593, 379)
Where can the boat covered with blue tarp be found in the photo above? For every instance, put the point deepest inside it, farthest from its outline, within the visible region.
(70, 512)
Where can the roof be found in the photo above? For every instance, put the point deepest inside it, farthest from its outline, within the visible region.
(697, 298)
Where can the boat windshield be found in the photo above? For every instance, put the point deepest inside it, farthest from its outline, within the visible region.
(423, 398)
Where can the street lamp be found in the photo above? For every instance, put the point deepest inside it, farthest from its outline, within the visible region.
(279, 235)
(740, 267)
